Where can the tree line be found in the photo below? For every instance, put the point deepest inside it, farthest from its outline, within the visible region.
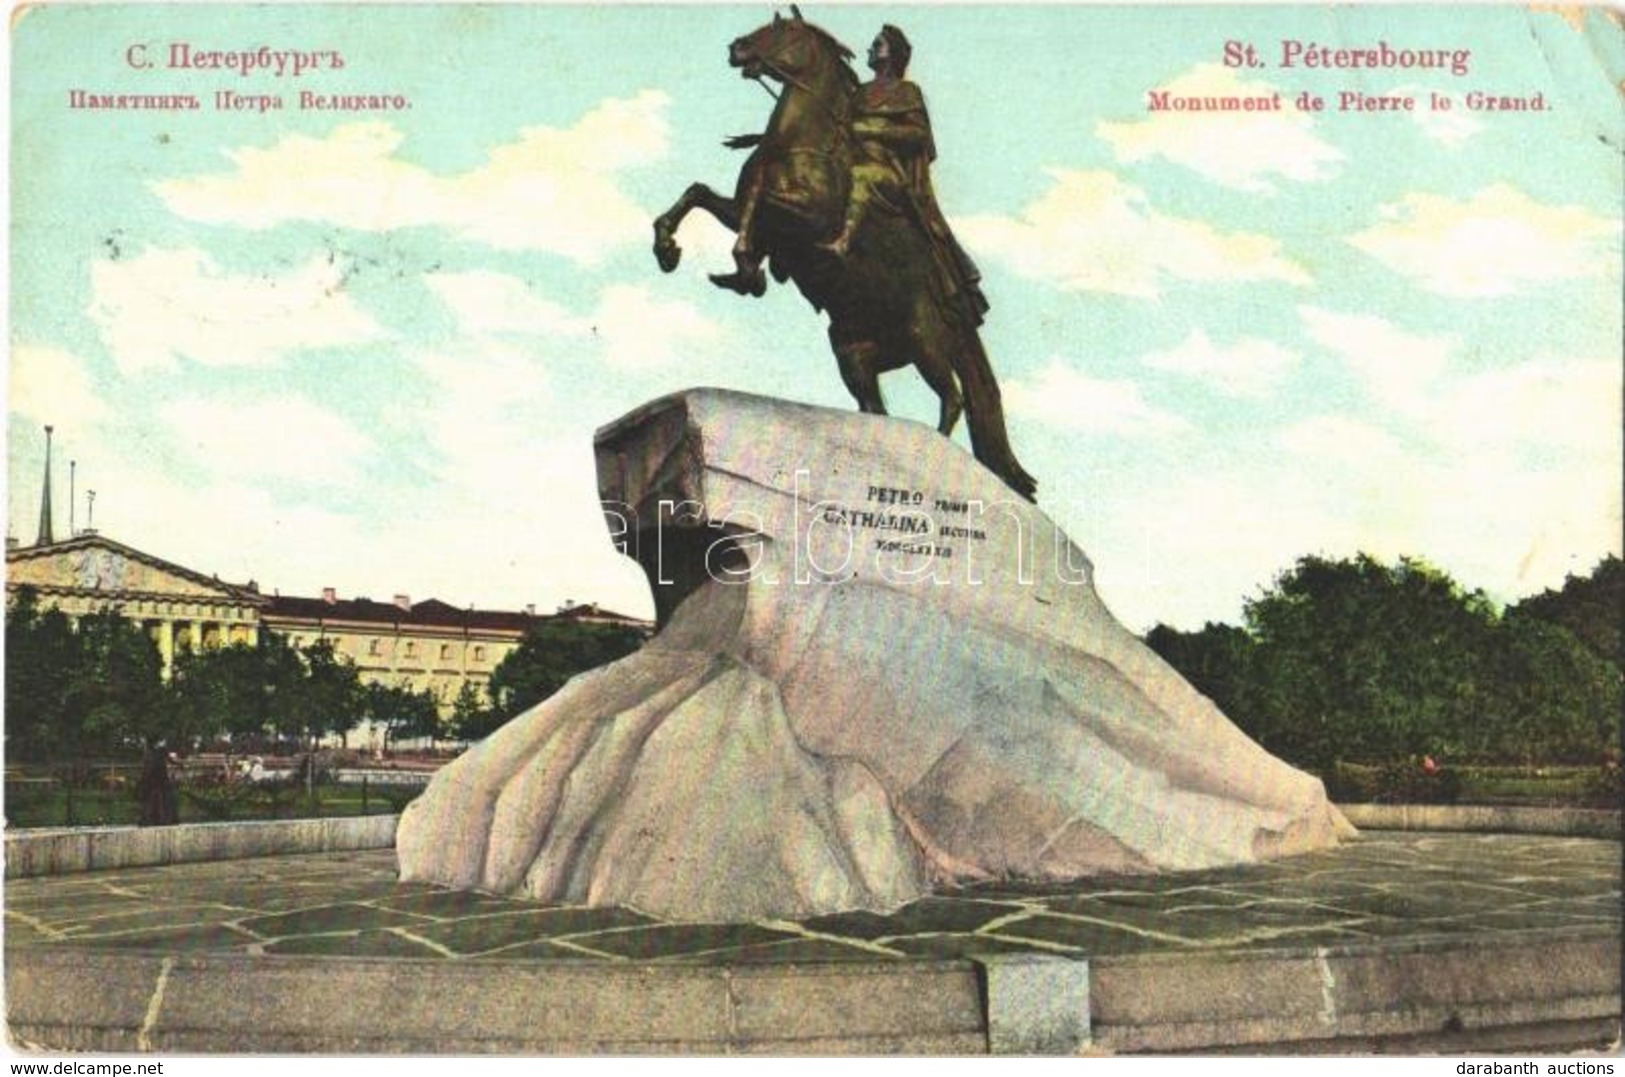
(95, 688)
(1357, 660)
(1352, 660)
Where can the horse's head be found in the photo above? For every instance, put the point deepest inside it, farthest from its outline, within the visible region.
(785, 49)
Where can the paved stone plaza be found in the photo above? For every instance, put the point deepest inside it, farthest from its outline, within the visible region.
(1237, 934)
(1389, 886)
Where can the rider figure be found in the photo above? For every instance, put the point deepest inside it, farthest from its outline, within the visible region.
(892, 167)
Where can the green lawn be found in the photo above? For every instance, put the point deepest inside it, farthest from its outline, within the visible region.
(1541, 786)
(38, 804)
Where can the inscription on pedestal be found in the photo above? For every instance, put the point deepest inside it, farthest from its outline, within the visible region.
(895, 511)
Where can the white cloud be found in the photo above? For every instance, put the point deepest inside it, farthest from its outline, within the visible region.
(1236, 149)
(1251, 367)
(1548, 403)
(50, 385)
(505, 448)
(480, 403)
(552, 189)
(165, 305)
(285, 438)
(509, 500)
(1063, 397)
(501, 439)
(1543, 403)
(630, 327)
(486, 302)
(551, 543)
(1210, 537)
(1206, 539)
(1337, 439)
(229, 526)
(1505, 476)
(1498, 242)
(1399, 368)
(640, 331)
(1092, 232)
(1450, 128)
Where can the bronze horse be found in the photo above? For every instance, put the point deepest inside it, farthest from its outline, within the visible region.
(887, 302)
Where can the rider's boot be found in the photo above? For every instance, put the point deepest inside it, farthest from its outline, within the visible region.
(747, 277)
(841, 245)
(857, 207)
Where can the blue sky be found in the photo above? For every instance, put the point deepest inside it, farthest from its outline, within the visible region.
(369, 350)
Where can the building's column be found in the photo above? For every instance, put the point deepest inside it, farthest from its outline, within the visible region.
(197, 637)
(166, 645)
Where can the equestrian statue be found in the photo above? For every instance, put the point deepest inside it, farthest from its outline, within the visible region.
(836, 196)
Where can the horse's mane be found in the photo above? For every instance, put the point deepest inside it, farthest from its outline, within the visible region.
(844, 54)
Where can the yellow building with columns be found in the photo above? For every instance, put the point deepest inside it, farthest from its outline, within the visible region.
(429, 645)
(182, 610)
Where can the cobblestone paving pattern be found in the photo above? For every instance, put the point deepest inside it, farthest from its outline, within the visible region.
(1388, 887)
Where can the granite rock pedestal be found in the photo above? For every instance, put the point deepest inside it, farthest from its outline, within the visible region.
(878, 671)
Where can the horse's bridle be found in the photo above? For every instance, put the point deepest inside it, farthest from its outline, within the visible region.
(769, 65)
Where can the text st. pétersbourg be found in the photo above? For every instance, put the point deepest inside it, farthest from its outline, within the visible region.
(1297, 55)
(260, 60)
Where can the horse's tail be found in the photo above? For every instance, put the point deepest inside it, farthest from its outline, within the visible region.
(984, 414)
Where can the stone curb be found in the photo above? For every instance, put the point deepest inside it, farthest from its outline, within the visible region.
(1505, 819)
(122, 1002)
(1542, 990)
(67, 850)
(1531, 990)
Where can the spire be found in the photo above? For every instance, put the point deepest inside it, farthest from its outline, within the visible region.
(45, 535)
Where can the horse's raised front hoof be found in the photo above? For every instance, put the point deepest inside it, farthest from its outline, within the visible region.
(667, 252)
(754, 284)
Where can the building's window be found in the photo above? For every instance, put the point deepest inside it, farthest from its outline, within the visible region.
(445, 651)
(479, 654)
(411, 648)
(375, 647)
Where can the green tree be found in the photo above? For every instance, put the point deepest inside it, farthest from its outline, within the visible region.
(400, 712)
(116, 694)
(225, 691)
(472, 717)
(1370, 662)
(551, 653)
(1549, 697)
(42, 654)
(333, 701)
(268, 689)
(1215, 661)
(1360, 660)
(1592, 607)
